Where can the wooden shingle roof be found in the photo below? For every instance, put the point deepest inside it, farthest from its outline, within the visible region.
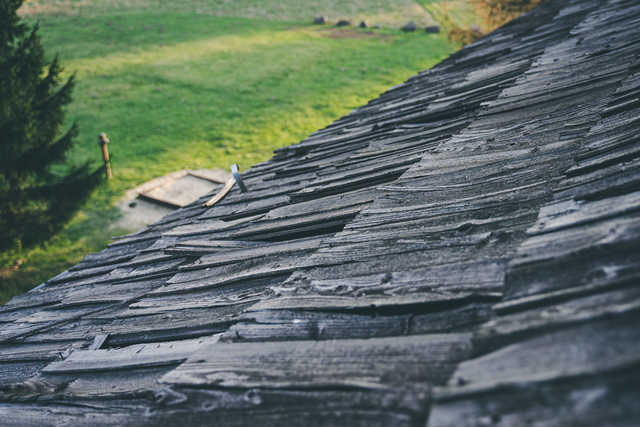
(461, 251)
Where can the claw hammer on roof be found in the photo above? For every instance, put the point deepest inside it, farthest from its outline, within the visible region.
(236, 179)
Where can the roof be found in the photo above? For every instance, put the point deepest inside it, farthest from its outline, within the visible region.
(461, 251)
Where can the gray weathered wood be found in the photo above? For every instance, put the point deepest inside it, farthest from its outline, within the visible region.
(589, 349)
(312, 364)
(137, 356)
(587, 401)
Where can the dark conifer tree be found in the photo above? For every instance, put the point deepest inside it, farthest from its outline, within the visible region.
(35, 201)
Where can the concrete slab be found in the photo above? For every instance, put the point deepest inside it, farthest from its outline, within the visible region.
(151, 201)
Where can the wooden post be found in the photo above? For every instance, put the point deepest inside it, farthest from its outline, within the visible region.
(102, 142)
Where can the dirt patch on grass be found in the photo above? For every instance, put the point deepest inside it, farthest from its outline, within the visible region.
(389, 13)
(53, 7)
(352, 33)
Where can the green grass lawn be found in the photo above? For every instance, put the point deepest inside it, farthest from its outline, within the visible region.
(383, 12)
(178, 88)
(451, 12)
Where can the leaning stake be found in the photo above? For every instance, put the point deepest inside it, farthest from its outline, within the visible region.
(102, 142)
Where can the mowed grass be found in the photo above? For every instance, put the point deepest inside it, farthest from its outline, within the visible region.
(383, 12)
(451, 12)
(177, 90)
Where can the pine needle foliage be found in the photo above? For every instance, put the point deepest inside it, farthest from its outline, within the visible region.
(496, 13)
(492, 14)
(35, 200)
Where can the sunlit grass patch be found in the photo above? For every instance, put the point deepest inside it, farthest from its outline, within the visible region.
(383, 12)
(447, 12)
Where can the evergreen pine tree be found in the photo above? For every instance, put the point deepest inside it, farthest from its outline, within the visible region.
(35, 201)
